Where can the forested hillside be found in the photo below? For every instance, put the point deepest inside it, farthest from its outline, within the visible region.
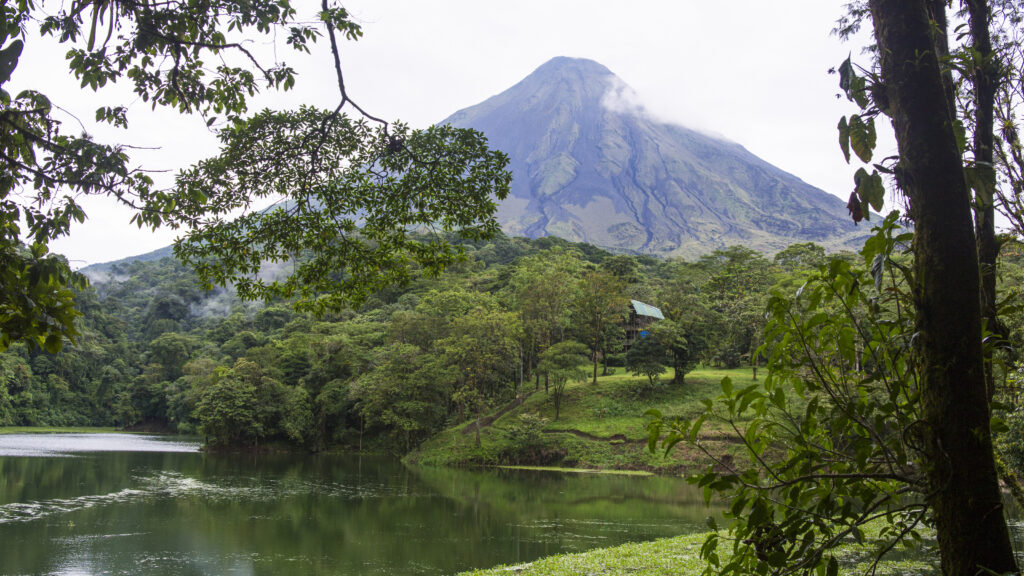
(157, 352)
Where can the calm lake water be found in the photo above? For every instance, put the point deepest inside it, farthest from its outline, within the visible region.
(76, 504)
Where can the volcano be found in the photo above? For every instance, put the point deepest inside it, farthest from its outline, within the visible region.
(591, 165)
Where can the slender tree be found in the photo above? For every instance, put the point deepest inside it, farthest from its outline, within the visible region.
(562, 362)
(963, 485)
(544, 289)
(937, 397)
(600, 302)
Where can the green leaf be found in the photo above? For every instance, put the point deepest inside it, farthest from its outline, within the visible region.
(859, 92)
(870, 190)
(846, 344)
(653, 433)
(977, 179)
(878, 270)
(53, 343)
(9, 60)
(695, 428)
(844, 138)
(998, 426)
(653, 413)
(846, 76)
(877, 192)
(862, 137)
(961, 135)
(815, 321)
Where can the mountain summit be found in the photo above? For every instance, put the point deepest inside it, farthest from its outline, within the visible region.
(589, 164)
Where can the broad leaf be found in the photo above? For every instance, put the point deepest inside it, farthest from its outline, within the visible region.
(9, 60)
(862, 137)
(844, 138)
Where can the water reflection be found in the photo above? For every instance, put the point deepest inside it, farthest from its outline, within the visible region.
(69, 444)
(194, 513)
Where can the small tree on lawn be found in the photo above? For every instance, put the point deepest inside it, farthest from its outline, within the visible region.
(561, 363)
(683, 342)
(647, 357)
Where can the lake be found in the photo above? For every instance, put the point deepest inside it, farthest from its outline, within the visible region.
(83, 504)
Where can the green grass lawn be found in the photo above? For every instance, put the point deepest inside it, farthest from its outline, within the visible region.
(600, 426)
(679, 556)
(579, 470)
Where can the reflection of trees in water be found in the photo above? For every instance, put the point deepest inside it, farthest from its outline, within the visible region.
(535, 494)
(328, 513)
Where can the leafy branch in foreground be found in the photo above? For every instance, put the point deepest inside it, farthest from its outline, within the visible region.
(361, 200)
(337, 174)
(832, 435)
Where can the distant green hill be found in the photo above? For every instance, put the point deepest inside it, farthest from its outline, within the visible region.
(103, 271)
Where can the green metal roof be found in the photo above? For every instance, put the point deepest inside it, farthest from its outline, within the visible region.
(642, 309)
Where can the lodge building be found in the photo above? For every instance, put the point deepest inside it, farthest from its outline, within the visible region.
(641, 316)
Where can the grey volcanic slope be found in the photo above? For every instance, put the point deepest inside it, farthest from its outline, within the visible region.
(589, 167)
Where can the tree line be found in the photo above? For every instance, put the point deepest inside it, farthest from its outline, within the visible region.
(159, 352)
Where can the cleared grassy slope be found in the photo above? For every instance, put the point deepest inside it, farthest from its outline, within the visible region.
(601, 426)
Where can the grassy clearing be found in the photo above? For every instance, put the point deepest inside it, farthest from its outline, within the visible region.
(601, 426)
(679, 556)
(579, 470)
(59, 430)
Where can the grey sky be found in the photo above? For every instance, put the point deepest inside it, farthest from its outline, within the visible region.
(754, 71)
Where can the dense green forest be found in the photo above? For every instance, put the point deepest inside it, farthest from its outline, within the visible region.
(158, 352)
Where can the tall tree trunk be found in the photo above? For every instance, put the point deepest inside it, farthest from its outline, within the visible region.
(963, 489)
(984, 81)
(519, 375)
(678, 370)
(595, 364)
(940, 39)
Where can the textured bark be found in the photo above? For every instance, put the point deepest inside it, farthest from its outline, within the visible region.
(940, 38)
(984, 82)
(963, 489)
(678, 371)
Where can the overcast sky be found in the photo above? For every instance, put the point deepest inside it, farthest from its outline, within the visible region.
(753, 71)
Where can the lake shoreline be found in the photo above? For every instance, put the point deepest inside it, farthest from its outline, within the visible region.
(285, 449)
(66, 430)
(147, 505)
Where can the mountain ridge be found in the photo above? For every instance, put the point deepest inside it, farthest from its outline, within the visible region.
(590, 164)
(596, 169)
